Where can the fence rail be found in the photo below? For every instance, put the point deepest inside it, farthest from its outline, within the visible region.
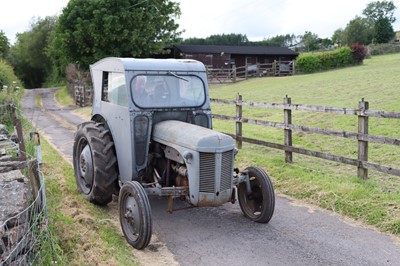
(226, 75)
(361, 136)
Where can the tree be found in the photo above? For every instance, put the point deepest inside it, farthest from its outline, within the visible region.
(194, 41)
(4, 45)
(89, 30)
(280, 41)
(310, 41)
(227, 39)
(219, 39)
(338, 36)
(359, 30)
(241, 40)
(326, 43)
(383, 30)
(29, 54)
(380, 9)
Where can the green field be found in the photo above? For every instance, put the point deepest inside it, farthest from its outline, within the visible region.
(331, 185)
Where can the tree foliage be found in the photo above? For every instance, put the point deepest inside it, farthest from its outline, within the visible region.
(4, 45)
(219, 39)
(310, 41)
(280, 41)
(359, 30)
(29, 54)
(380, 9)
(242, 40)
(383, 30)
(338, 36)
(89, 30)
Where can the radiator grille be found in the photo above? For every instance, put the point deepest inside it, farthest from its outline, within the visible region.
(227, 170)
(208, 171)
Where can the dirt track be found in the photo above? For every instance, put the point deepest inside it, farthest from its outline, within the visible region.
(298, 234)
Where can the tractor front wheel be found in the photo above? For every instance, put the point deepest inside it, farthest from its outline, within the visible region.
(135, 214)
(95, 163)
(258, 205)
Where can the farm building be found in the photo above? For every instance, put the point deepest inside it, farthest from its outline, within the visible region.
(397, 36)
(261, 59)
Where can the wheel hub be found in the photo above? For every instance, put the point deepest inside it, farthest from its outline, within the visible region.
(132, 215)
(86, 166)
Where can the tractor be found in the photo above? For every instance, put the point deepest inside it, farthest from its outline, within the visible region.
(151, 135)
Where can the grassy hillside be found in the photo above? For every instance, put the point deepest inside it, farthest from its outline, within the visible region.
(377, 80)
(328, 184)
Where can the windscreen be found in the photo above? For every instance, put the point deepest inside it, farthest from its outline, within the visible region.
(167, 91)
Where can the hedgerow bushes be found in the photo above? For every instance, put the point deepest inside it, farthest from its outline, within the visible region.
(384, 48)
(342, 57)
(9, 83)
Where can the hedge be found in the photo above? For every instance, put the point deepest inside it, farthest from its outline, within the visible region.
(341, 57)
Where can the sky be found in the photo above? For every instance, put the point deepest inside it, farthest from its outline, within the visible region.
(257, 19)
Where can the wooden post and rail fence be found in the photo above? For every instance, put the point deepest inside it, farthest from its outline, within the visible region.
(233, 74)
(362, 137)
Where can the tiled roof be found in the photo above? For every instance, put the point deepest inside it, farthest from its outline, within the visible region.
(248, 50)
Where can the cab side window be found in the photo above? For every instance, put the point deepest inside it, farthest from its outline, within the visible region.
(104, 87)
(114, 88)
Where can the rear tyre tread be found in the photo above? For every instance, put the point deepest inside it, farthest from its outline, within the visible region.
(105, 170)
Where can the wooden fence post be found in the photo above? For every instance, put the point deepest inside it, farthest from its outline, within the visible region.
(362, 144)
(18, 126)
(234, 73)
(293, 67)
(288, 132)
(239, 121)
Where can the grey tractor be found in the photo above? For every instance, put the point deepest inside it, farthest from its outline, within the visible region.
(151, 134)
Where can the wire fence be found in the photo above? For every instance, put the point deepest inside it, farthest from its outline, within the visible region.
(25, 237)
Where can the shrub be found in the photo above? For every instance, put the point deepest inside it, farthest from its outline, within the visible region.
(384, 48)
(9, 80)
(359, 52)
(327, 60)
(344, 57)
(308, 63)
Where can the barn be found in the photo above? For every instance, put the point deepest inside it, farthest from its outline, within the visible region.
(271, 60)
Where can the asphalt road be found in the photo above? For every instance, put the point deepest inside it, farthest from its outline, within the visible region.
(298, 234)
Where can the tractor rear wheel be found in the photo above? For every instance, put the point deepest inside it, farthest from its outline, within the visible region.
(135, 214)
(95, 163)
(259, 205)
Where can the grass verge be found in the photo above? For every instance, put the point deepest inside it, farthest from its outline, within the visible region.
(63, 97)
(85, 233)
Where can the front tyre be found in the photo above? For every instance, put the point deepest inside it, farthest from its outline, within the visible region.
(259, 205)
(95, 163)
(135, 214)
